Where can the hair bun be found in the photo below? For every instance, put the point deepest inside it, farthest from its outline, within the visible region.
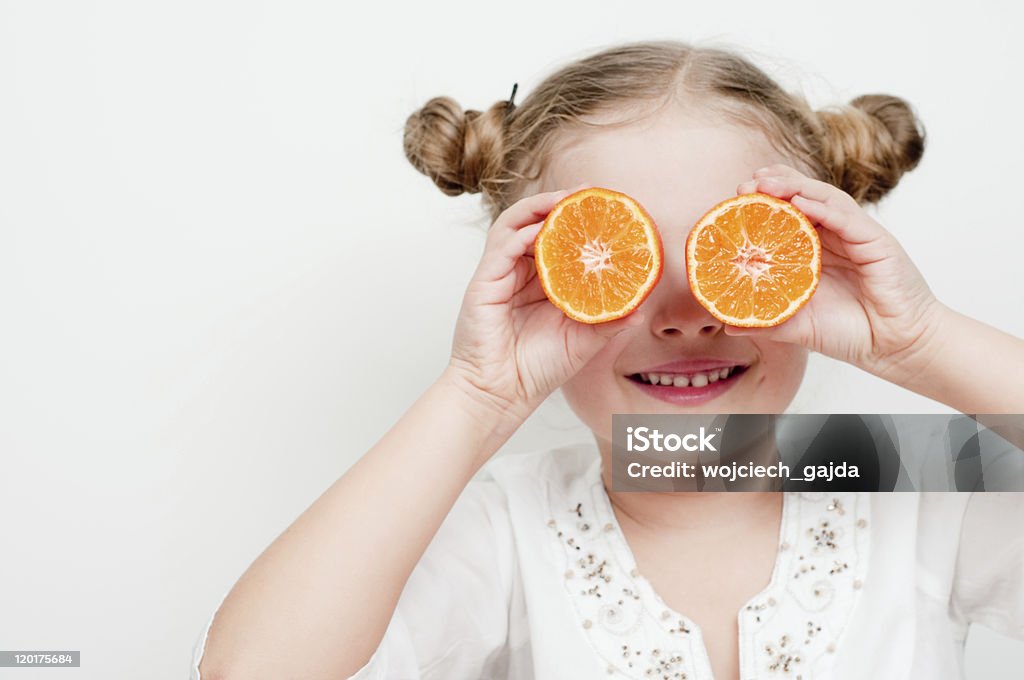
(459, 150)
(870, 143)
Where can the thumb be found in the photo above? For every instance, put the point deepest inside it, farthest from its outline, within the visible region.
(791, 331)
(590, 338)
(586, 340)
(610, 329)
(743, 330)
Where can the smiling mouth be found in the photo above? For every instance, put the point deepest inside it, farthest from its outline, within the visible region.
(695, 379)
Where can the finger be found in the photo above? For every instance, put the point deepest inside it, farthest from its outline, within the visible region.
(854, 226)
(832, 260)
(785, 187)
(527, 210)
(610, 329)
(590, 338)
(528, 288)
(530, 294)
(793, 330)
(501, 254)
(824, 204)
(832, 242)
(514, 232)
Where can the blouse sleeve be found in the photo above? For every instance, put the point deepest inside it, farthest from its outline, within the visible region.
(451, 620)
(988, 584)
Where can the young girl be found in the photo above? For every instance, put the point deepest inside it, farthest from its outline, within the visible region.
(412, 565)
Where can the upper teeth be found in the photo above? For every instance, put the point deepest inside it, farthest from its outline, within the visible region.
(690, 379)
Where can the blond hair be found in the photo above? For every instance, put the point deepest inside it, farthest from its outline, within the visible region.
(863, 147)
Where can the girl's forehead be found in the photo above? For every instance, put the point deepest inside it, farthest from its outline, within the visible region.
(677, 168)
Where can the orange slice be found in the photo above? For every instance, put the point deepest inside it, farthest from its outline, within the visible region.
(753, 260)
(598, 255)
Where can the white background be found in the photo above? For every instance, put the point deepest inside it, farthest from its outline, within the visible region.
(221, 281)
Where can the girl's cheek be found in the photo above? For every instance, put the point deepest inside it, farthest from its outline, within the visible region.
(782, 371)
(592, 396)
(601, 369)
(593, 378)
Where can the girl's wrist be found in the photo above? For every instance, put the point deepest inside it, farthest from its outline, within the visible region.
(963, 363)
(492, 420)
(911, 364)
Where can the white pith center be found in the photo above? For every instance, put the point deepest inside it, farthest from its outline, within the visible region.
(595, 256)
(753, 260)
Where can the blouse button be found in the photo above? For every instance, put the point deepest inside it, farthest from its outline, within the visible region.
(568, 573)
(857, 583)
(861, 523)
(587, 623)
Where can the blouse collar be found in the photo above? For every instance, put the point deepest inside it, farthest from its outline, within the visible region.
(790, 628)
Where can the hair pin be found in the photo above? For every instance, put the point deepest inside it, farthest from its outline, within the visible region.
(511, 100)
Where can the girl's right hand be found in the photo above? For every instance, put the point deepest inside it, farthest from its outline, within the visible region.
(512, 347)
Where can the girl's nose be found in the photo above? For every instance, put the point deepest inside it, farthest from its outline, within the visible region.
(674, 312)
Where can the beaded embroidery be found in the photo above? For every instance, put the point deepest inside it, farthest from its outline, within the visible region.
(788, 630)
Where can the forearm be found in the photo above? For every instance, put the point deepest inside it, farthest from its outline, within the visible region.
(965, 364)
(317, 601)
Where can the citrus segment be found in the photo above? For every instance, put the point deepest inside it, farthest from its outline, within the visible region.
(598, 255)
(753, 260)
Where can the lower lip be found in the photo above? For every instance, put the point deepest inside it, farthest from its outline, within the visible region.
(689, 396)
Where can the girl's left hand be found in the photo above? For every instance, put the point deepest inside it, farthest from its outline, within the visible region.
(872, 307)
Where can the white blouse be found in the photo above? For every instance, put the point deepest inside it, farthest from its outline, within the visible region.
(530, 577)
